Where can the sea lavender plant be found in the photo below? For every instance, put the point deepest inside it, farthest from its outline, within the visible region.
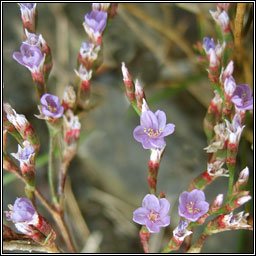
(224, 125)
(63, 121)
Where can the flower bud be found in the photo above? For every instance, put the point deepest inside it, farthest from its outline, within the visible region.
(94, 24)
(139, 94)
(29, 222)
(28, 15)
(22, 125)
(129, 85)
(222, 19)
(69, 98)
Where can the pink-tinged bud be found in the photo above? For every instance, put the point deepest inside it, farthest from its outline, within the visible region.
(71, 128)
(84, 88)
(228, 72)
(244, 175)
(214, 62)
(28, 15)
(128, 82)
(69, 98)
(22, 125)
(242, 200)
(139, 94)
(229, 86)
(216, 105)
(216, 204)
(222, 19)
(219, 50)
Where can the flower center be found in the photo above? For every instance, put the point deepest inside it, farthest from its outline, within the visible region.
(153, 216)
(153, 133)
(52, 108)
(191, 209)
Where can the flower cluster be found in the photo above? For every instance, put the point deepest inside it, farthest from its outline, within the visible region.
(29, 222)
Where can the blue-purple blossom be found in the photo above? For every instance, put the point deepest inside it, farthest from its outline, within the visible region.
(192, 205)
(242, 97)
(153, 213)
(51, 106)
(152, 129)
(208, 44)
(29, 56)
(24, 153)
(29, 6)
(22, 211)
(96, 20)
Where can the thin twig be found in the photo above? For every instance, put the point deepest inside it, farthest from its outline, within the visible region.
(27, 246)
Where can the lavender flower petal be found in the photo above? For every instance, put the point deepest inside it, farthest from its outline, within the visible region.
(140, 215)
(164, 207)
(242, 97)
(97, 20)
(51, 106)
(151, 202)
(161, 118)
(23, 210)
(29, 56)
(148, 120)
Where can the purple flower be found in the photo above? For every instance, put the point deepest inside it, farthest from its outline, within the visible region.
(29, 56)
(22, 211)
(152, 129)
(153, 213)
(208, 44)
(96, 20)
(51, 106)
(192, 205)
(242, 97)
(25, 154)
(29, 6)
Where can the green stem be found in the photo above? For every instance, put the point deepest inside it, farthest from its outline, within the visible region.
(231, 170)
(52, 134)
(135, 107)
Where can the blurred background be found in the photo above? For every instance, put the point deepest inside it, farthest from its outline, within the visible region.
(108, 178)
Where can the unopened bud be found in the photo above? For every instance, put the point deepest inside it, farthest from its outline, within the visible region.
(243, 200)
(139, 94)
(69, 98)
(129, 85)
(228, 71)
